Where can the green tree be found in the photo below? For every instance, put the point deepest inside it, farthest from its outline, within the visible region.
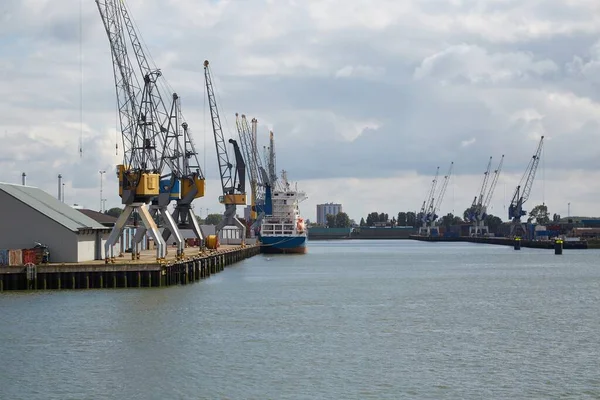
(540, 214)
(450, 219)
(342, 220)
(362, 222)
(114, 212)
(213, 219)
(411, 219)
(493, 223)
(402, 219)
(372, 218)
(330, 220)
(383, 217)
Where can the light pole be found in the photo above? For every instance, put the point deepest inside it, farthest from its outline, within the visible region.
(568, 209)
(102, 172)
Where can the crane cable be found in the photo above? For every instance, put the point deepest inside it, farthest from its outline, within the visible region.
(80, 78)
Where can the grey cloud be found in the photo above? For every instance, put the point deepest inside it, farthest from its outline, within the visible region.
(420, 124)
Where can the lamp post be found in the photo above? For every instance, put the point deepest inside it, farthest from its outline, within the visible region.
(102, 172)
(568, 209)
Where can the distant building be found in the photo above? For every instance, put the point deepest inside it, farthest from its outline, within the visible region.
(323, 210)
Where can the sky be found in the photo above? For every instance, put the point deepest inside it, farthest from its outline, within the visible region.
(365, 98)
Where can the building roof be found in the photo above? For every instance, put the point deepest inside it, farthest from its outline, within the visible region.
(101, 218)
(51, 207)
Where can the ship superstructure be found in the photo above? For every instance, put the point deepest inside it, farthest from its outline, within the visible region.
(284, 230)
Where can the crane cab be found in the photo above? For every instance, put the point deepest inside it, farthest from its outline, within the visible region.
(137, 186)
(193, 183)
(238, 199)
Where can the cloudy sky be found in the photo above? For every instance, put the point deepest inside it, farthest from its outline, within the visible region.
(365, 97)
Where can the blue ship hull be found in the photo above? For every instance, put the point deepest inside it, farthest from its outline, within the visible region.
(283, 244)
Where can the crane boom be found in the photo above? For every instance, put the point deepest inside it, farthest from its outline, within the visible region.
(490, 193)
(225, 167)
(233, 185)
(427, 203)
(440, 198)
(150, 141)
(484, 183)
(522, 192)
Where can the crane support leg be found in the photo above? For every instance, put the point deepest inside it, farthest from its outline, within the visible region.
(185, 218)
(169, 224)
(148, 225)
(230, 219)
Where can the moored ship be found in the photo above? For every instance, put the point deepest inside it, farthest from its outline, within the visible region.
(283, 230)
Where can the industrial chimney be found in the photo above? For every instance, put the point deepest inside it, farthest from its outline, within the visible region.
(59, 187)
(23, 178)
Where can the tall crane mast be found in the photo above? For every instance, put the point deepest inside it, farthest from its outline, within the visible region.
(272, 161)
(245, 134)
(232, 184)
(479, 213)
(477, 201)
(184, 186)
(149, 146)
(428, 203)
(522, 192)
(433, 216)
(248, 141)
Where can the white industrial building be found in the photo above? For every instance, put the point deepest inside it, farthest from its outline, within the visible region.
(30, 215)
(323, 210)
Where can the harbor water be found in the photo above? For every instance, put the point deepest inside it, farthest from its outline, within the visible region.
(348, 320)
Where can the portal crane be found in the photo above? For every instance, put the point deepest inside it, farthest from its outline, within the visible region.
(258, 176)
(432, 217)
(515, 210)
(479, 227)
(478, 200)
(435, 203)
(233, 185)
(149, 143)
(184, 186)
(428, 203)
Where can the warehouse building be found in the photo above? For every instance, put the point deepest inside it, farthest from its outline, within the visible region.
(29, 216)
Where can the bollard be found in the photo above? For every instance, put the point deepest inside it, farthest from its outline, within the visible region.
(517, 244)
(558, 246)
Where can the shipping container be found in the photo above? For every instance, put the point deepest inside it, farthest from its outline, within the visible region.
(30, 256)
(4, 260)
(15, 257)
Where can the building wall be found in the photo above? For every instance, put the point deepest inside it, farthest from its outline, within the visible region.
(327, 209)
(86, 247)
(22, 226)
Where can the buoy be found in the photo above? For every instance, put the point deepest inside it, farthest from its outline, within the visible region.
(558, 246)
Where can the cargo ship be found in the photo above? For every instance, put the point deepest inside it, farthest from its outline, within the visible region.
(282, 229)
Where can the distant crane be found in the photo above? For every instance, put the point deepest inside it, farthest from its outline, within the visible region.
(478, 210)
(427, 204)
(435, 204)
(515, 210)
(149, 141)
(258, 176)
(233, 185)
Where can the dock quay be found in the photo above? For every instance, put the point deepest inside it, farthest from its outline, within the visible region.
(503, 241)
(124, 273)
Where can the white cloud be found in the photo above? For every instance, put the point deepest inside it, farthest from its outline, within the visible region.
(351, 89)
(472, 64)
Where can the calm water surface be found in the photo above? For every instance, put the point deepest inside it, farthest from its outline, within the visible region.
(348, 320)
